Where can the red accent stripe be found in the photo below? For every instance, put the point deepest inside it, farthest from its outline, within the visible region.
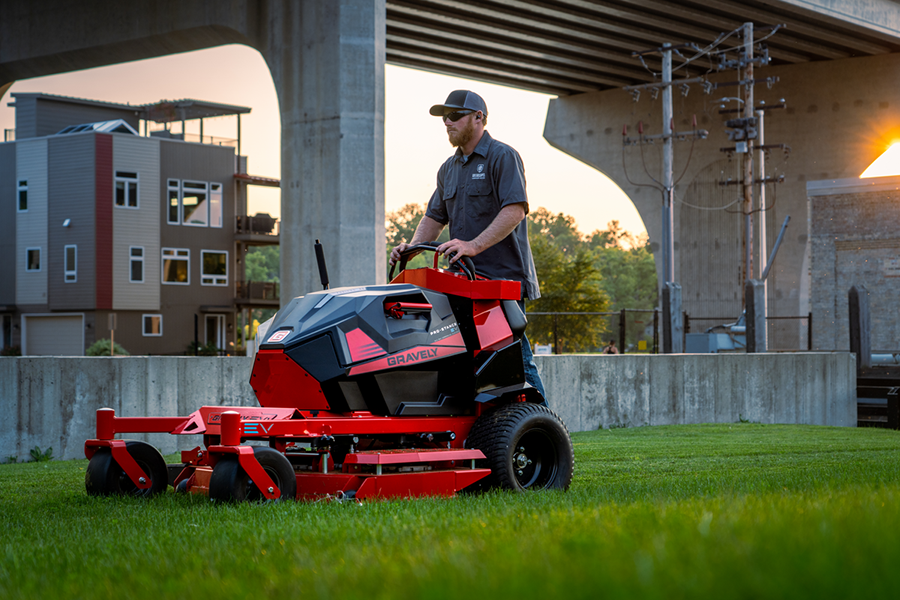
(361, 346)
(404, 358)
(103, 214)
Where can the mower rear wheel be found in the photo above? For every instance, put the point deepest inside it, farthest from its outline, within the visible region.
(230, 483)
(527, 448)
(104, 476)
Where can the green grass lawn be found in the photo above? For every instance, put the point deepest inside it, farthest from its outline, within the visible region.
(711, 511)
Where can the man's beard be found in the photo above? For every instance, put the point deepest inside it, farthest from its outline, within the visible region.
(461, 138)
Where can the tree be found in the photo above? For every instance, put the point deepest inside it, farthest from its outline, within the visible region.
(400, 226)
(629, 275)
(262, 263)
(570, 282)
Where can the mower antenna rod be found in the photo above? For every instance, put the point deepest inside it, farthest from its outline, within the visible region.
(323, 270)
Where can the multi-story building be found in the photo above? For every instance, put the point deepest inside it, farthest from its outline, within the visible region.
(107, 229)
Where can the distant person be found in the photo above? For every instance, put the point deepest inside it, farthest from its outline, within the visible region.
(610, 348)
(481, 195)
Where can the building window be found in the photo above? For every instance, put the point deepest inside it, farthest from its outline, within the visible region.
(215, 205)
(194, 207)
(174, 192)
(194, 203)
(152, 325)
(32, 259)
(215, 267)
(22, 204)
(70, 260)
(136, 264)
(126, 189)
(175, 266)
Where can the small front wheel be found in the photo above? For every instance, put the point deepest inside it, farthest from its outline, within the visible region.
(527, 448)
(104, 476)
(230, 483)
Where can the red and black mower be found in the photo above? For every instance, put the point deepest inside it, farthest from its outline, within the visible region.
(415, 388)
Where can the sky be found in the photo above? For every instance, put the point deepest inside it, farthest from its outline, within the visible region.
(415, 142)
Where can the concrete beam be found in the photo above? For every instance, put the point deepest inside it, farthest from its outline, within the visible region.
(327, 61)
(841, 115)
(881, 17)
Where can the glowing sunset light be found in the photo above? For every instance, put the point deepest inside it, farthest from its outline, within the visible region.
(885, 165)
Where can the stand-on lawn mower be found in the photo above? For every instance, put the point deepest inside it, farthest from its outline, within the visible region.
(415, 388)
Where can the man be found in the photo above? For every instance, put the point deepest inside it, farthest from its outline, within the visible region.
(481, 194)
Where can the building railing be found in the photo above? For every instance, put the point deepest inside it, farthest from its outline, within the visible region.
(257, 290)
(259, 224)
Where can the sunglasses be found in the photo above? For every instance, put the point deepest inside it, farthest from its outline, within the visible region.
(457, 115)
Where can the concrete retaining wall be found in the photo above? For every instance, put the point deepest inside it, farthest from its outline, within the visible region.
(590, 391)
(51, 401)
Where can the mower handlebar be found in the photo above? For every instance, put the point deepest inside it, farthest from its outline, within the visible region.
(465, 263)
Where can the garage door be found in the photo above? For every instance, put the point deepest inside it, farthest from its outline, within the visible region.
(53, 335)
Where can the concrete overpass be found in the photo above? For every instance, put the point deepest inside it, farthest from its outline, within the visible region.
(839, 64)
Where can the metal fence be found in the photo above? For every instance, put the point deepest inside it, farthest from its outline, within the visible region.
(638, 331)
(633, 330)
(784, 334)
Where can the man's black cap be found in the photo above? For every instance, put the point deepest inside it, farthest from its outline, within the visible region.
(460, 100)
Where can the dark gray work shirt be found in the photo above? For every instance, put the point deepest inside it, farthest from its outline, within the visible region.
(470, 193)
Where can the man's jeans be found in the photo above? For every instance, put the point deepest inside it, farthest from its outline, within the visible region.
(531, 372)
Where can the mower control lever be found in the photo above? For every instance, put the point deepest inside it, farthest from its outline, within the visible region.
(398, 309)
(465, 264)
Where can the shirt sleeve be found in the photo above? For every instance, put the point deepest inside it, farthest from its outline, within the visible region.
(436, 208)
(509, 173)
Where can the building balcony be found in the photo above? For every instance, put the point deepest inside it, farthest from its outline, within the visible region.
(261, 228)
(257, 294)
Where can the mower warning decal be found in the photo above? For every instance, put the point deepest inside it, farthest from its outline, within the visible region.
(416, 355)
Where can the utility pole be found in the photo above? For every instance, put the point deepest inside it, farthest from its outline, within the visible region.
(668, 216)
(761, 202)
(749, 114)
(671, 291)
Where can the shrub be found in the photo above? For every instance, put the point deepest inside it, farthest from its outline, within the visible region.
(208, 349)
(11, 351)
(101, 348)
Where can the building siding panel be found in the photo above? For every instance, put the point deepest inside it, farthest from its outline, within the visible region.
(137, 227)
(7, 224)
(26, 117)
(103, 218)
(193, 162)
(71, 193)
(53, 116)
(31, 225)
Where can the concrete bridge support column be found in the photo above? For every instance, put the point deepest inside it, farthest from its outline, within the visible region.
(327, 62)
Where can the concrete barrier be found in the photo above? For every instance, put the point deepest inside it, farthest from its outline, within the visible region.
(591, 392)
(52, 401)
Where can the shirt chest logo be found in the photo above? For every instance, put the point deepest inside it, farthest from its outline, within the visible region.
(479, 174)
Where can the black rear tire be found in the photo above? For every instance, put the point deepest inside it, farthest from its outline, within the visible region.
(104, 476)
(230, 483)
(527, 448)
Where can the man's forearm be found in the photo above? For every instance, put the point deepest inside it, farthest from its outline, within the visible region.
(428, 230)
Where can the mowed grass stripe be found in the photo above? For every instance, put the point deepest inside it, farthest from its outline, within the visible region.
(725, 511)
